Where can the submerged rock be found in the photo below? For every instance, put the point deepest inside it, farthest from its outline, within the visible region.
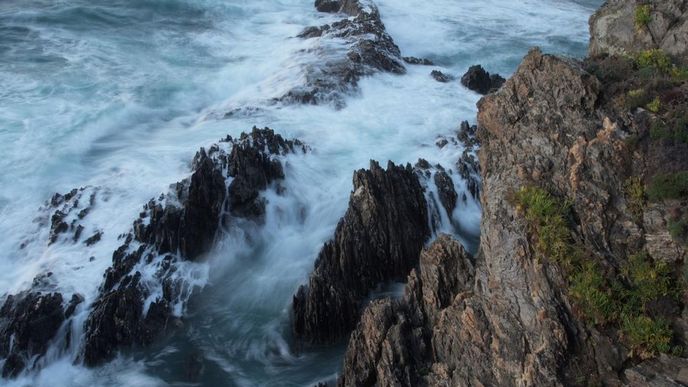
(378, 240)
(480, 81)
(418, 61)
(179, 226)
(66, 213)
(441, 77)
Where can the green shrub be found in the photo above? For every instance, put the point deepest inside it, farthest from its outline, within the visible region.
(591, 291)
(649, 280)
(668, 186)
(679, 74)
(547, 218)
(654, 59)
(636, 98)
(635, 196)
(679, 230)
(646, 336)
(643, 16)
(655, 105)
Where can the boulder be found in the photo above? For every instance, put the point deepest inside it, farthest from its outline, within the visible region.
(480, 81)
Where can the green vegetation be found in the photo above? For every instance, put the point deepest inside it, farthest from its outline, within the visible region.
(654, 59)
(646, 336)
(643, 16)
(655, 105)
(547, 217)
(637, 98)
(679, 230)
(668, 186)
(635, 196)
(617, 299)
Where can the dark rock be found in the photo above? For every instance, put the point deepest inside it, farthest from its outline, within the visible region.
(66, 211)
(441, 77)
(447, 193)
(93, 239)
(28, 321)
(180, 225)
(418, 61)
(370, 49)
(378, 240)
(480, 81)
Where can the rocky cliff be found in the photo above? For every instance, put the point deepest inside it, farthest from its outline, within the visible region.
(578, 279)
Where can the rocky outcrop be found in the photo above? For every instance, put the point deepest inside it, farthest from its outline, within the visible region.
(480, 81)
(66, 213)
(378, 240)
(408, 342)
(510, 316)
(179, 226)
(369, 49)
(441, 77)
(619, 28)
(28, 323)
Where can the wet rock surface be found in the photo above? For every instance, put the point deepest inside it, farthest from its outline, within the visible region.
(28, 322)
(180, 226)
(378, 240)
(441, 77)
(480, 81)
(418, 61)
(67, 212)
(369, 49)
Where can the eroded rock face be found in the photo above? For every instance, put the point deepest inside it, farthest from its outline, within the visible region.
(505, 318)
(179, 226)
(369, 49)
(403, 343)
(613, 29)
(378, 240)
(480, 81)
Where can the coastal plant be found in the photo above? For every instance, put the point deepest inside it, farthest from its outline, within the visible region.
(668, 186)
(635, 196)
(643, 16)
(636, 98)
(547, 219)
(645, 336)
(679, 230)
(654, 59)
(655, 105)
(614, 298)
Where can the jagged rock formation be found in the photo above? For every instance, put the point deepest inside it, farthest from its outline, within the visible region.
(615, 29)
(28, 322)
(402, 342)
(480, 81)
(369, 48)
(66, 212)
(378, 240)
(510, 317)
(179, 226)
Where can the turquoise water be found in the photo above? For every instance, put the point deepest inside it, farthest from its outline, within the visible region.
(120, 94)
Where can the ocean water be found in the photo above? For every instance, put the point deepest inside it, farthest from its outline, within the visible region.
(118, 95)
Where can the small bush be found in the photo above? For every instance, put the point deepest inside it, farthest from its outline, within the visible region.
(654, 59)
(649, 280)
(643, 16)
(668, 186)
(547, 217)
(635, 196)
(646, 336)
(679, 74)
(655, 105)
(636, 98)
(595, 298)
(679, 230)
